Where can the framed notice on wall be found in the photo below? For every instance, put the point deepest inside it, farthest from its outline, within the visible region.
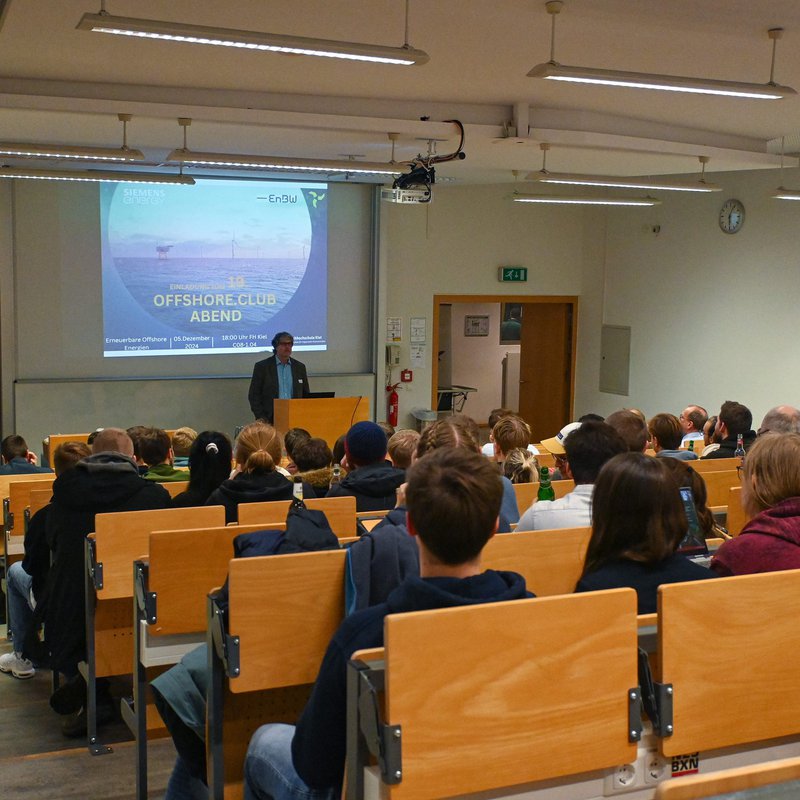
(477, 325)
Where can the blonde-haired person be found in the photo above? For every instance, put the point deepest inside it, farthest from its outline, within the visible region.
(257, 454)
(182, 441)
(521, 466)
(770, 540)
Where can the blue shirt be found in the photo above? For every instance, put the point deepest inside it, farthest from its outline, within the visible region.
(285, 380)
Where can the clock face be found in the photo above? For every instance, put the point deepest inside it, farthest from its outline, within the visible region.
(731, 216)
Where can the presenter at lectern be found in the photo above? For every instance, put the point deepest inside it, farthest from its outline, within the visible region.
(278, 377)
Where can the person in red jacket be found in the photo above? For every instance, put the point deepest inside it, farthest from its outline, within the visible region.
(770, 541)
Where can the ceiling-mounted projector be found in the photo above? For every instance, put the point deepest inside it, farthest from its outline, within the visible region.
(416, 186)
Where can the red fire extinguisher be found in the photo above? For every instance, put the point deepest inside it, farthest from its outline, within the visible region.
(392, 403)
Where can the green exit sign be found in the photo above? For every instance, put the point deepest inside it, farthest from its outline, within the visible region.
(512, 274)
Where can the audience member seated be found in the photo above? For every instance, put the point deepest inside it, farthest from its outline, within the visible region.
(638, 521)
(16, 459)
(591, 417)
(257, 454)
(770, 540)
(686, 476)
(692, 420)
(106, 481)
(461, 430)
(291, 440)
(631, 427)
(586, 450)
(511, 431)
(710, 438)
(371, 479)
(495, 415)
(25, 580)
(781, 419)
(314, 463)
(135, 432)
(733, 419)
(182, 441)
(338, 450)
(665, 435)
(389, 430)
(156, 452)
(401, 447)
(209, 465)
(453, 502)
(521, 466)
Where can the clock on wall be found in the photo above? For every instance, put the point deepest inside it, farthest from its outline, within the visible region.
(731, 216)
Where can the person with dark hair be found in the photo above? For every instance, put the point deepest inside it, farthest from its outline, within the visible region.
(710, 438)
(106, 481)
(279, 377)
(692, 419)
(155, 449)
(370, 478)
(135, 433)
(453, 502)
(770, 539)
(338, 450)
(257, 454)
(25, 580)
(638, 521)
(733, 419)
(314, 461)
(665, 433)
(16, 459)
(292, 439)
(209, 465)
(590, 417)
(586, 449)
(631, 427)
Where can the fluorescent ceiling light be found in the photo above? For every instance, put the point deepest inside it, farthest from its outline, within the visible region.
(667, 83)
(584, 200)
(251, 40)
(192, 158)
(786, 194)
(94, 176)
(567, 179)
(553, 71)
(68, 152)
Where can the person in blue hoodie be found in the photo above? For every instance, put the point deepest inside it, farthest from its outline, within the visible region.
(16, 459)
(453, 500)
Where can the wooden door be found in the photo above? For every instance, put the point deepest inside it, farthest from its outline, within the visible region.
(546, 362)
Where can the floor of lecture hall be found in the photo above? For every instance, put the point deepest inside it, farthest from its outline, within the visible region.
(38, 763)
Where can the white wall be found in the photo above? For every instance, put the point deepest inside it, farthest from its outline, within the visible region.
(714, 316)
(478, 360)
(454, 246)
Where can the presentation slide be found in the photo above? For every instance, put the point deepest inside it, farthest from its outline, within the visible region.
(218, 267)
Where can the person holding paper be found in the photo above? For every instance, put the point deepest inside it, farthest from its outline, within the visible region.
(278, 377)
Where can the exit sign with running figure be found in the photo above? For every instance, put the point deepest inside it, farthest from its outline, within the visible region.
(512, 274)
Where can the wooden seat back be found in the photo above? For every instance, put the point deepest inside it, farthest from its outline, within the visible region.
(526, 495)
(562, 487)
(737, 517)
(739, 779)
(175, 487)
(39, 499)
(340, 511)
(544, 458)
(183, 567)
(303, 595)
(7, 480)
(551, 561)
(508, 693)
(283, 610)
(123, 536)
(718, 484)
(752, 638)
(19, 494)
(705, 465)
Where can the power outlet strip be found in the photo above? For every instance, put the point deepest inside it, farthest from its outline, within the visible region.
(649, 769)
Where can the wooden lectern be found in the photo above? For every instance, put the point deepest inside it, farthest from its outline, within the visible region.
(326, 417)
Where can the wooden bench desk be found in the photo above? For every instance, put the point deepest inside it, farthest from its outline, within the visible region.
(340, 512)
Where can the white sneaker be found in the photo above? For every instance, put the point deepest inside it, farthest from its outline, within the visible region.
(18, 666)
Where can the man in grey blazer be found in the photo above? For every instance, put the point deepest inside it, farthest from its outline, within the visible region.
(278, 377)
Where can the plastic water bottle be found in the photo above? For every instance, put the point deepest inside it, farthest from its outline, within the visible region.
(739, 451)
(297, 488)
(546, 491)
(336, 477)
